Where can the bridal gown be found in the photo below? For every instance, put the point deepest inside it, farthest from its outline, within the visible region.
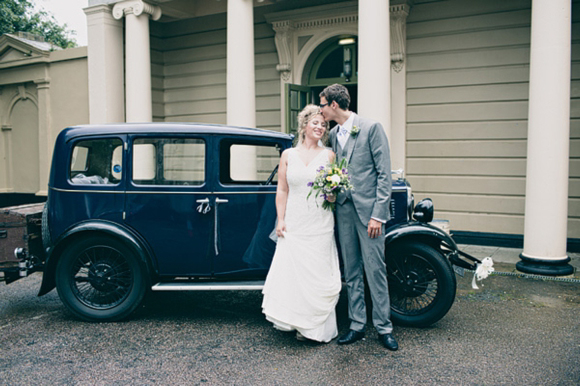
(303, 284)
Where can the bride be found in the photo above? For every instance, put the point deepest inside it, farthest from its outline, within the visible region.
(303, 284)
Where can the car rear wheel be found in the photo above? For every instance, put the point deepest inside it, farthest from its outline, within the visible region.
(100, 279)
(422, 284)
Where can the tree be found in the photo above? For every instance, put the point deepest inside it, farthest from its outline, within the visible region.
(20, 16)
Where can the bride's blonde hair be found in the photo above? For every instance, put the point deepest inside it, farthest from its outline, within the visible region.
(307, 113)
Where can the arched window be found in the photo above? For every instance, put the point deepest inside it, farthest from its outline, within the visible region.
(337, 63)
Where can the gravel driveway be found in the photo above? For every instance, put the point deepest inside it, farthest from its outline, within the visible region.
(512, 331)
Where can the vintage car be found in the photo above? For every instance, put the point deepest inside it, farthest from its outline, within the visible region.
(166, 207)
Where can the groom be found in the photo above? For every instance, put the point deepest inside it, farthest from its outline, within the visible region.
(362, 213)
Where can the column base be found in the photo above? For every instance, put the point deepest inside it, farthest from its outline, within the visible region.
(545, 267)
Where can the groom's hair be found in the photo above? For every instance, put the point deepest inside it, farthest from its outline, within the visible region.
(338, 93)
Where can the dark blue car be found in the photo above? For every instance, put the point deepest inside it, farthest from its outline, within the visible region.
(159, 206)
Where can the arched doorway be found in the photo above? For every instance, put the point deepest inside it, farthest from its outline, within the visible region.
(334, 61)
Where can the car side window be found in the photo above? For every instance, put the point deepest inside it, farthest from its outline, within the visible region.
(96, 161)
(169, 161)
(248, 163)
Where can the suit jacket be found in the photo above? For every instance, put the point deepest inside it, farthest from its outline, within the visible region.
(369, 167)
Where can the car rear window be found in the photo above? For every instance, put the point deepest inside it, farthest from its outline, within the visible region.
(96, 162)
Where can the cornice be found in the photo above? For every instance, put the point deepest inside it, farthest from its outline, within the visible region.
(101, 8)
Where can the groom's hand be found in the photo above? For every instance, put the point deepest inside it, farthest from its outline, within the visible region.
(375, 228)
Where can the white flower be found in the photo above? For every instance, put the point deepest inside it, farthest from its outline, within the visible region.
(482, 271)
(335, 179)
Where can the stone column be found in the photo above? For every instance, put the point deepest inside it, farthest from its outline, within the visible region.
(137, 57)
(374, 58)
(241, 83)
(546, 209)
(45, 142)
(105, 62)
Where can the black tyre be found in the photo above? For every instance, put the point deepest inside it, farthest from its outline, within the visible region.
(422, 284)
(99, 279)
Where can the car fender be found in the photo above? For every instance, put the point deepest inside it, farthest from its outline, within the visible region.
(112, 229)
(420, 232)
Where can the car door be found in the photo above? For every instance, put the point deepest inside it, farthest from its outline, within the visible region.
(167, 201)
(245, 195)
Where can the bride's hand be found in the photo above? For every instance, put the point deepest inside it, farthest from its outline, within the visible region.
(330, 198)
(280, 228)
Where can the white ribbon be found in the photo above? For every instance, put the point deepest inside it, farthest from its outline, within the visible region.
(482, 271)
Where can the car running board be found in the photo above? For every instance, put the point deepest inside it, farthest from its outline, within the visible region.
(214, 286)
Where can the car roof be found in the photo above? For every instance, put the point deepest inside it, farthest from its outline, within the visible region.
(167, 128)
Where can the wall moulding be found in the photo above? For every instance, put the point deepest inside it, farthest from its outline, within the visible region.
(320, 23)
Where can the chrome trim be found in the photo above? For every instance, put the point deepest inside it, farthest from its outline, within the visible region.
(153, 191)
(197, 286)
(87, 191)
(215, 230)
(178, 192)
(162, 192)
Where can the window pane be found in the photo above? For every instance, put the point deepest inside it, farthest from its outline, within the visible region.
(79, 159)
(248, 164)
(294, 121)
(331, 66)
(294, 102)
(184, 162)
(164, 161)
(144, 161)
(97, 161)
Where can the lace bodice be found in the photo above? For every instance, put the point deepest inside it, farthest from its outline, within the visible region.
(305, 215)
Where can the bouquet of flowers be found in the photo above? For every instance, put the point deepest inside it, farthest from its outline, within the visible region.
(329, 181)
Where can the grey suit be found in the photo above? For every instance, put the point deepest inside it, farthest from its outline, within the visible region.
(369, 166)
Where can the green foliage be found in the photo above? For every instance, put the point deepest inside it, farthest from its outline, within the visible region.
(20, 16)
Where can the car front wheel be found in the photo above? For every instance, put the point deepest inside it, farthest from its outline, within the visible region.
(100, 279)
(422, 284)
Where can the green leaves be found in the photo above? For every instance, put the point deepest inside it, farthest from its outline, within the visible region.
(20, 16)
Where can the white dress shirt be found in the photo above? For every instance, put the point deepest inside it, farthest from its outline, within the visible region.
(344, 130)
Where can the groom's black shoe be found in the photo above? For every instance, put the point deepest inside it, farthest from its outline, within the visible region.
(389, 342)
(351, 336)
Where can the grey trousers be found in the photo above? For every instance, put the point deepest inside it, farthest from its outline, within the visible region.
(361, 254)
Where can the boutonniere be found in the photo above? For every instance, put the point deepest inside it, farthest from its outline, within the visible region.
(354, 131)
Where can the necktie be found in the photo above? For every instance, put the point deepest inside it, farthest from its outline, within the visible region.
(342, 136)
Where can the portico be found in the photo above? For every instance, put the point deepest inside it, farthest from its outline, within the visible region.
(234, 61)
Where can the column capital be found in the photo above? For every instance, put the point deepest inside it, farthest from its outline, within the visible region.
(136, 7)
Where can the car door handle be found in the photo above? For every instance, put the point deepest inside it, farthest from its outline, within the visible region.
(203, 206)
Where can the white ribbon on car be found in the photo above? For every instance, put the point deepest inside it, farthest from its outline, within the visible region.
(482, 271)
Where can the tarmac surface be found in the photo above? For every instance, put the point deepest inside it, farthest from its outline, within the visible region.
(513, 330)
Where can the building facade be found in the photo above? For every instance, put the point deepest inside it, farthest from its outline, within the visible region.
(479, 98)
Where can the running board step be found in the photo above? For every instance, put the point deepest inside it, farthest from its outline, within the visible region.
(219, 286)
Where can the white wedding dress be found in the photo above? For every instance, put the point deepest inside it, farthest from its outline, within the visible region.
(303, 284)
